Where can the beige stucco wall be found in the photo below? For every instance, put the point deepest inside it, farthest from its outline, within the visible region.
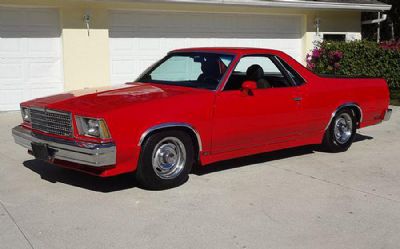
(86, 55)
(333, 22)
(87, 59)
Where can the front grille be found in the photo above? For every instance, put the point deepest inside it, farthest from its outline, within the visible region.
(50, 121)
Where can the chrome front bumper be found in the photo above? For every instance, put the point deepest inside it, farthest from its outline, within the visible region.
(95, 155)
(388, 114)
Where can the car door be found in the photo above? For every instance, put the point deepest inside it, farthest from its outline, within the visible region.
(315, 111)
(267, 115)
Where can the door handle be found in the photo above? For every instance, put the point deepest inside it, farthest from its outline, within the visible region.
(298, 99)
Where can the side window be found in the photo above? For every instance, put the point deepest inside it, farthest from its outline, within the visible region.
(264, 62)
(297, 79)
(261, 69)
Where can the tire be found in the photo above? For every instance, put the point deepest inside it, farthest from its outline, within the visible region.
(166, 160)
(341, 132)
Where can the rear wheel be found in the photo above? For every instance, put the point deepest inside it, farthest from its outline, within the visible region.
(166, 160)
(341, 132)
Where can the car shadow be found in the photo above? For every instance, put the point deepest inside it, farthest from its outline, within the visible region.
(359, 138)
(56, 174)
(265, 157)
(253, 159)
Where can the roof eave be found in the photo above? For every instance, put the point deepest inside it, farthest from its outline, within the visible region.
(288, 4)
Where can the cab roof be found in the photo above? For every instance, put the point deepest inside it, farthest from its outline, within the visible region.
(231, 50)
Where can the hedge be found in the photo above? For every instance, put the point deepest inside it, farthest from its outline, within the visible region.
(358, 58)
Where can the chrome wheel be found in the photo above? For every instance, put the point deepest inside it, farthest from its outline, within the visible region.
(343, 129)
(169, 158)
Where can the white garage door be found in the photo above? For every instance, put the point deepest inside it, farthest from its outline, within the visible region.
(30, 55)
(138, 39)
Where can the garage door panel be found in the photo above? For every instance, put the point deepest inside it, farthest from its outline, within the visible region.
(9, 46)
(30, 55)
(123, 66)
(9, 97)
(29, 47)
(16, 19)
(122, 69)
(11, 17)
(45, 91)
(11, 72)
(138, 39)
(170, 44)
(42, 17)
(148, 44)
(44, 47)
(44, 71)
(152, 24)
(121, 46)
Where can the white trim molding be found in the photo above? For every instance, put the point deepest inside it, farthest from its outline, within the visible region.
(303, 4)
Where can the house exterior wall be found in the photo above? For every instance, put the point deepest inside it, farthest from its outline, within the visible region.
(86, 58)
(332, 22)
(86, 55)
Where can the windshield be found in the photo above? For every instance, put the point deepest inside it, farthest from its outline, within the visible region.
(191, 69)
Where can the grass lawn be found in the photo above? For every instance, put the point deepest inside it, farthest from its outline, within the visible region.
(395, 97)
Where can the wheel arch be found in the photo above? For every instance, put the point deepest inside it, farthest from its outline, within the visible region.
(194, 134)
(352, 106)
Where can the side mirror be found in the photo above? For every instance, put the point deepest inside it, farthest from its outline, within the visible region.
(248, 87)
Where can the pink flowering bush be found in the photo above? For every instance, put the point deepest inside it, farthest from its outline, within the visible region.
(390, 45)
(324, 61)
(358, 58)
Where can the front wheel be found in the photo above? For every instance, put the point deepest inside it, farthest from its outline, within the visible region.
(166, 160)
(341, 132)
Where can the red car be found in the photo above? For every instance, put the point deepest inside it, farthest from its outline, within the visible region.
(199, 105)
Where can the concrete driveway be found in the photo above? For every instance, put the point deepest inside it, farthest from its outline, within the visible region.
(297, 198)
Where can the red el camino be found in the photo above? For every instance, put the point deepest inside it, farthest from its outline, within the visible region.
(199, 105)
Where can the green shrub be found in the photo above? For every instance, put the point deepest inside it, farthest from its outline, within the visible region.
(357, 58)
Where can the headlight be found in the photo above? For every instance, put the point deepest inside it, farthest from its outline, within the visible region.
(26, 115)
(92, 127)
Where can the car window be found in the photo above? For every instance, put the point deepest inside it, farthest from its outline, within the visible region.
(226, 60)
(191, 69)
(177, 68)
(297, 79)
(261, 69)
(267, 65)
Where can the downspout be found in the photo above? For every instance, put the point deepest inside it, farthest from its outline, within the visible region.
(392, 30)
(381, 18)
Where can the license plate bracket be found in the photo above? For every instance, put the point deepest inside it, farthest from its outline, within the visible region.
(41, 151)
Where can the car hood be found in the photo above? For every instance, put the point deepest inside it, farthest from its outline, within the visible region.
(95, 100)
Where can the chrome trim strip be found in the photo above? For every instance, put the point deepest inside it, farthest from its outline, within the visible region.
(344, 106)
(96, 155)
(171, 125)
(388, 115)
